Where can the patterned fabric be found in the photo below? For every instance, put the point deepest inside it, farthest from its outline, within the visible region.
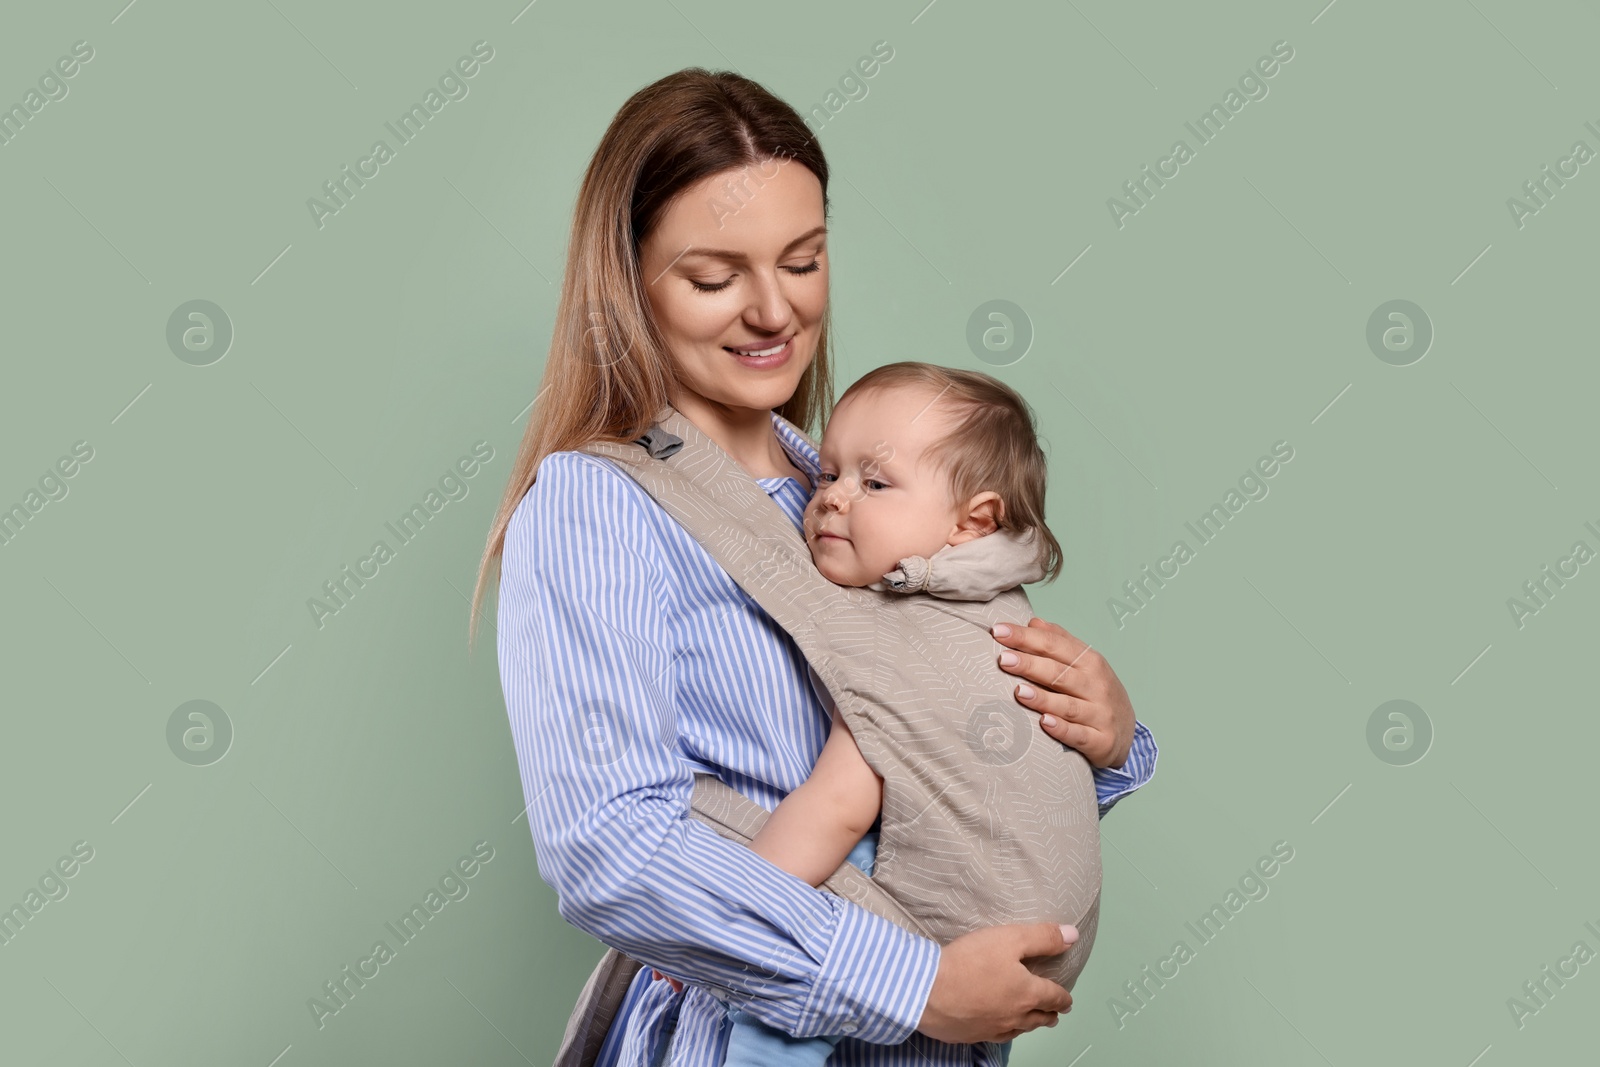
(607, 604)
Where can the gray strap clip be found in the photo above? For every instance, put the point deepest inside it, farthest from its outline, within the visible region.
(659, 443)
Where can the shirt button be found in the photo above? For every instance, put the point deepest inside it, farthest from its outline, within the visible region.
(848, 1026)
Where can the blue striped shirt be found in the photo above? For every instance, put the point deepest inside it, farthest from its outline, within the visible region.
(630, 660)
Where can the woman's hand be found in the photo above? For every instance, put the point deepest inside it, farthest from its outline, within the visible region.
(1081, 700)
(982, 992)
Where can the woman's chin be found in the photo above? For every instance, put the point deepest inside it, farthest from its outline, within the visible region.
(774, 392)
(764, 388)
(752, 396)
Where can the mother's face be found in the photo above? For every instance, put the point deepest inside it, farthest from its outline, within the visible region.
(737, 275)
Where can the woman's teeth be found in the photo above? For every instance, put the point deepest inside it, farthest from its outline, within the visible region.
(760, 352)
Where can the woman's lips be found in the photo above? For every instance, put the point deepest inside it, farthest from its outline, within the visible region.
(763, 353)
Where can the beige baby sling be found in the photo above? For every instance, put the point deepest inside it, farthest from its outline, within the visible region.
(986, 819)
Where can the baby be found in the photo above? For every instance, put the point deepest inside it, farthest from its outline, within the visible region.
(915, 461)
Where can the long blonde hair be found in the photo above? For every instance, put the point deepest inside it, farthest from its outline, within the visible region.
(609, 372)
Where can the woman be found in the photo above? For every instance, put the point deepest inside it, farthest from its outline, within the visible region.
(697, 275)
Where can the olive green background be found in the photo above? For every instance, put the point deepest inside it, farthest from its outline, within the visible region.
(368, 355)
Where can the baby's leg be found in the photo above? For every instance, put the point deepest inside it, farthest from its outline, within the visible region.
(752, 1043)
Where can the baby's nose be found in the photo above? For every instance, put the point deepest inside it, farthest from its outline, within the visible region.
(836, 495)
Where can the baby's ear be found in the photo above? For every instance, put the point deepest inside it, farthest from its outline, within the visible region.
(981, 516)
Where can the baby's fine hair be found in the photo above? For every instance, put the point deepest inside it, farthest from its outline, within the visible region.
(992, 445)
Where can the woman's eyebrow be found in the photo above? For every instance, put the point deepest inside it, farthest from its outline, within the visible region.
(722, 253)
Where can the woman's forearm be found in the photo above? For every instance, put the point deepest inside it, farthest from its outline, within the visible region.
(673, 894)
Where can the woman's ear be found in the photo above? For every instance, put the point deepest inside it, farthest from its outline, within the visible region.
(979, 518)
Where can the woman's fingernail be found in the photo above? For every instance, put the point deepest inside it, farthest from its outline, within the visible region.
(1025, 692)
(1069, 934)
(1000, 629)
(1008, 659)
(1048, 720)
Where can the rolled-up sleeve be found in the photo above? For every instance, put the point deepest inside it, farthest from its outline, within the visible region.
(586, 651)
(1112, 784)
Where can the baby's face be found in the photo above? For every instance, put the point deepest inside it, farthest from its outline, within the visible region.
(877, 500)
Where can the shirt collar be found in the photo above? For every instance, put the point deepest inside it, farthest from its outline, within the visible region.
(801, 452)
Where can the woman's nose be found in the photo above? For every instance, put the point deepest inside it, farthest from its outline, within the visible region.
(769, 309)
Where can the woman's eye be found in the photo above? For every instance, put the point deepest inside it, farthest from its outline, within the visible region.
(717, 287)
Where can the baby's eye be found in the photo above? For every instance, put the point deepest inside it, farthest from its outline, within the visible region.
(824, 476)
(873, 483)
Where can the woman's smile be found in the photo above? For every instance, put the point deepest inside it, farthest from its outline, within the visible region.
(764, 354)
